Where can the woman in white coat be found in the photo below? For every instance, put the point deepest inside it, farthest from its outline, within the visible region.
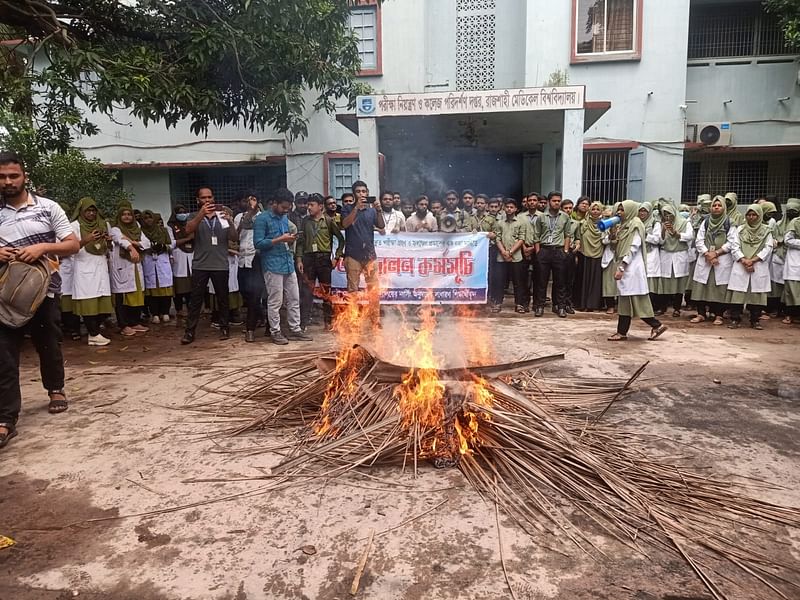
(750, 277)
(652, 240)
(676, 235)
(157, 267)
(716, 239)
(182, 257)
(791, 271)
(70, 324)
(631, 274)
(91, 287)
(127, 278)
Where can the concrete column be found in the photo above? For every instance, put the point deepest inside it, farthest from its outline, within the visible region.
(548, 168)
(572, 154)
(368, 154)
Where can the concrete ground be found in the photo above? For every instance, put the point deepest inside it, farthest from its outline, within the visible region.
(730, 398)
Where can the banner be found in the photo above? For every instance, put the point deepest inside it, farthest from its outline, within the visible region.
(453, 267)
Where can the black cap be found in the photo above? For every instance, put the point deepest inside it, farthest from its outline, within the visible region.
(301, 196)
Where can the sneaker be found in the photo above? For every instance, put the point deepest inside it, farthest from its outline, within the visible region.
(538, 311)
(300, 336)
(236, 322)
(215, 325)
(165, 318)
(279, 339)
(155, 320)
(570, 310)
(127, 331)
(98, 340)
(140, 328)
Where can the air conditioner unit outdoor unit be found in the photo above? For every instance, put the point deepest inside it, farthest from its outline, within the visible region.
(709, 134)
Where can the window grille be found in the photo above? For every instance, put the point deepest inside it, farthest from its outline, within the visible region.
(604, 26)
(738, 30)
(605, 175)
(363, 22)
(475, 44)
(225, 182)
(343, 172)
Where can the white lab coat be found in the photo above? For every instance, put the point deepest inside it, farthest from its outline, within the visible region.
(676, 264)
(247, 251)
(791, 265)
(608, 251)
(233, 276)
(90, 278)
(65, 269)
(634, 279)
(776, 268)
(157, 268)
(653, 241)
(759, 279)
(722, 272)
(122, 270)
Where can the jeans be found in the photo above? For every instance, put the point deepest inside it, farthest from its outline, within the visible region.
(282, 287)
(46, 336)
(199, 288)
(317, 266)
(551, 259)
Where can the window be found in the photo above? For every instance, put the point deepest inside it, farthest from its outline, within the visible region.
(365, 23)
(605, 175)
(343, 172)
(748, 178)
(741, 30)
(226, 183)
(607, 30)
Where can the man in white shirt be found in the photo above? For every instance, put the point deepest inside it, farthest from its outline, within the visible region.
(394, 220)
(421, 220)
(31, 227)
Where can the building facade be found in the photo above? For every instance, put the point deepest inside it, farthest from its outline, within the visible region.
(681, 97)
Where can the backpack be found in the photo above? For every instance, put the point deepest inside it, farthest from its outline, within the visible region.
(23, 288)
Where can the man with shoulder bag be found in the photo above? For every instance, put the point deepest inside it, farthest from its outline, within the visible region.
(32, 230)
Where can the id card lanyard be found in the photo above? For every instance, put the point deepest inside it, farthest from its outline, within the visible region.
(211, 222)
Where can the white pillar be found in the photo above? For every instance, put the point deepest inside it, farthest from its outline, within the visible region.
(572, 154)
(368, 154)
(548, 168)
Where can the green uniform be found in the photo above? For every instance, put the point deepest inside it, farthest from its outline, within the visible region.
(509, 233)
(317, 236)
(466, 222)
(551, 231)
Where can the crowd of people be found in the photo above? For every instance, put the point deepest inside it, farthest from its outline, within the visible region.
(248, 263)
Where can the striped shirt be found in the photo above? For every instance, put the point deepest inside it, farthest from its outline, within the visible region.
(39, 221)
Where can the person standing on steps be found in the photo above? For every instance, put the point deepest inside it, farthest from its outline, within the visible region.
(31, 228)
(212, 229)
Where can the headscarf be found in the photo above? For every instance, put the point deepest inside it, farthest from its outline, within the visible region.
(651, 219)
(99, 247)
(715, 226)
(132, 231)
(630, 226)
(794, 227)
(782, 226)
(671, 243)
(157, 234)
(731, 204)
(591, 236)
(179, 229)
(753, 238)
(769, 208)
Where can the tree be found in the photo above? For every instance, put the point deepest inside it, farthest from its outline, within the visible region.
(65, 176)
(214, 62)
(788, 13)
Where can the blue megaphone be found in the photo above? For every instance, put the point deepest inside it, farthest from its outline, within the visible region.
(604, 224)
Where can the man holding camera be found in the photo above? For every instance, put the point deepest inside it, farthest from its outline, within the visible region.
(359, 221)
(274, 240)
(212, 229)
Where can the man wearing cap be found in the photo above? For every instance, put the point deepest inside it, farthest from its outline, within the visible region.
(300, 209)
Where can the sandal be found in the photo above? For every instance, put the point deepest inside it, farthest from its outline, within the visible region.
(617, 337)
(697, 319)
(57, 405)
(718, 321)
(11, 432)
(787, 320)
(676, 313)
(520, 309)
(656, 332)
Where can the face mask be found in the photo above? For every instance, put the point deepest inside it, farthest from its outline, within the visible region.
(684, 214)
(792, 214)
(183, 217)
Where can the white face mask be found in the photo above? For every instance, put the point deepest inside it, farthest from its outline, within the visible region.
(183, 217)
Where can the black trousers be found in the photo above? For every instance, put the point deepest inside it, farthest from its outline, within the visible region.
(624, 323)
(45, 331)
(316, 267)
(551, 262)
(518, 273)
(570, 273)
(200, 281)
(158, 305)
(93, 323)
(127, 316)
(253, 293)
(755, 312)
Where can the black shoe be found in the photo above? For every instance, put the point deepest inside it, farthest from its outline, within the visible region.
(538, 311)
(299, 336)
(570, 310)
(7, 437)
(188, 338)
(249, 336)
(279, 340)
(562, 313)
(224, 333)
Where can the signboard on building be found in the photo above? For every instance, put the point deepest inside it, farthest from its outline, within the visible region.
(479, 101)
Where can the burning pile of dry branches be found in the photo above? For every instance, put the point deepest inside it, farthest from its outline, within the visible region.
(536, 446)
